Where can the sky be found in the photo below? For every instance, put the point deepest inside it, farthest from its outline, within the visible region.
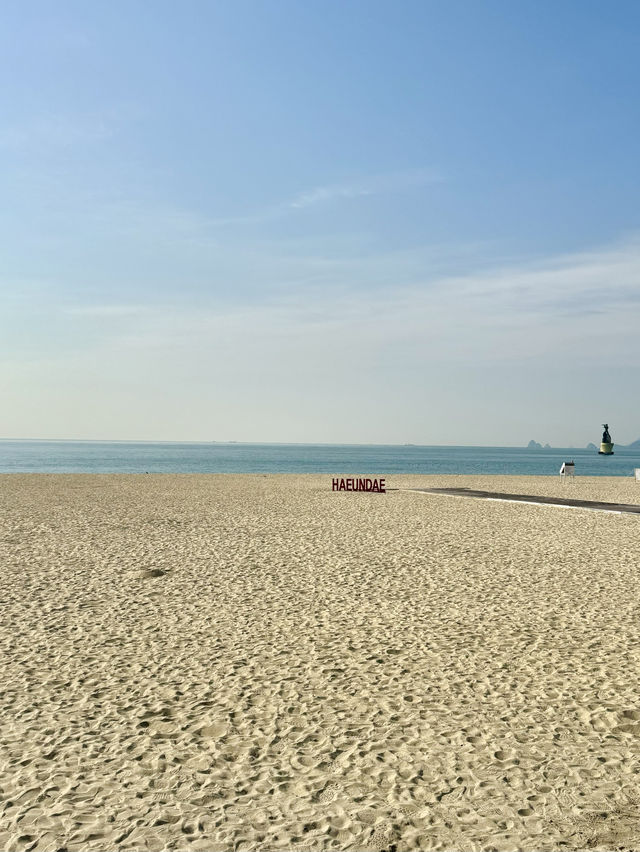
(320, 221)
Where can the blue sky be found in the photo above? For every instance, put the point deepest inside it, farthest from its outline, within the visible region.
(320, 221)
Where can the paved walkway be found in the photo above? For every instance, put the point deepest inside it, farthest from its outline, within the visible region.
(531, 498)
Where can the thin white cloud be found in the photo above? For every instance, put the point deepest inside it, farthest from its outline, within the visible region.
(368, 186)
(501, 353)
(582, 307)
(328, 193)
(374, 185)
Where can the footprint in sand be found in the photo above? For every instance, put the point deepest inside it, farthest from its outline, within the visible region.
(337, 767)
(160, 797)
(380, 839)
(449, 797)
(609, 829)
(615, 825)
(627, 728)
(634, 715)
(411, 810)
(365, 816)
(213, 731)
(328, 794)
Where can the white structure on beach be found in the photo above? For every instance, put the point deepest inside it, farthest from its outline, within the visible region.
(568, 469)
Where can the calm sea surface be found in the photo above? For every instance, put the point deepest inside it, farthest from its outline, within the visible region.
(121, 457)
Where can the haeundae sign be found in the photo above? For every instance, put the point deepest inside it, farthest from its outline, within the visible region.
(376, 485)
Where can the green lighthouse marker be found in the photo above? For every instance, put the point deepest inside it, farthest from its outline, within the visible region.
(606, 447)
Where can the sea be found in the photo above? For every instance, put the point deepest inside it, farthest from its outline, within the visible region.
(363, 459)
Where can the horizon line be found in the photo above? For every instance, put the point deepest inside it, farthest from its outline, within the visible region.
(290, 443)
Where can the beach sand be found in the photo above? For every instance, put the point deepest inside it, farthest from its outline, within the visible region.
(256, 662)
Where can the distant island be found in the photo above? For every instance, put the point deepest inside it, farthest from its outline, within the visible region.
(535, 445)
(635, 445)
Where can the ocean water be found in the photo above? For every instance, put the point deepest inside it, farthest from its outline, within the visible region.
(370, 460)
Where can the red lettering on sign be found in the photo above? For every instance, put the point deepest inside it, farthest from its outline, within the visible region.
(377, 486)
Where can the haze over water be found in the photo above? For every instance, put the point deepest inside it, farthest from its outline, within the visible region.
(138, 457)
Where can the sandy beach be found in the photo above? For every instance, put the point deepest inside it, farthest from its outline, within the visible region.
(217, 662)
